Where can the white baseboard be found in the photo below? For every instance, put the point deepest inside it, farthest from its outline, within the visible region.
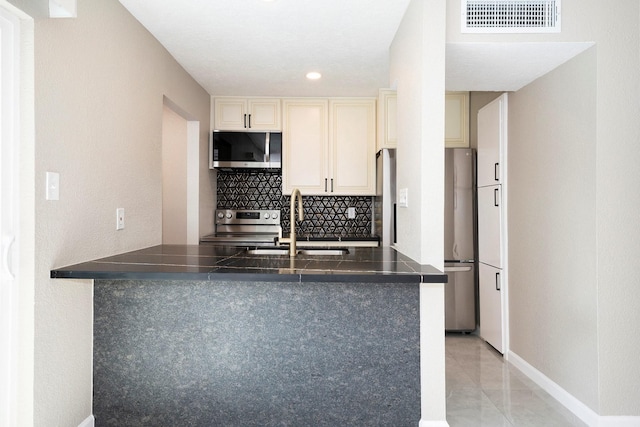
(619, 422)
(424, 423)
(88, 422)
(582, 411)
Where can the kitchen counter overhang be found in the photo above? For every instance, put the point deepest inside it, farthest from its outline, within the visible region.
(213, 263)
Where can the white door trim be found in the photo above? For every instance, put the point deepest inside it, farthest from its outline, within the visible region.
(9, 212)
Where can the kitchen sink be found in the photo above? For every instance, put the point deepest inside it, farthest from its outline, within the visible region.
(301, 251)
(323, 251)
(268, 251)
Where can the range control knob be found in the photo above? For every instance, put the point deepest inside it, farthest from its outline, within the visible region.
(220, 215)
(274, 215)
(229, 215)
(267, 215)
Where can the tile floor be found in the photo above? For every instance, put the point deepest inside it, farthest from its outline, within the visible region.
(483, 390)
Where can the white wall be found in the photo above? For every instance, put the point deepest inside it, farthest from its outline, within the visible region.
(100, 80)
(417, 67)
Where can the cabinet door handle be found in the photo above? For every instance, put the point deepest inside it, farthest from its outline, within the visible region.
(249, 121)
(245, 121)
(325, 185)
(498, 282)
(332, 185)
(496, 171)
(496, 196)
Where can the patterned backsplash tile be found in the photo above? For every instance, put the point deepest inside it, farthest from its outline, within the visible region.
(324, 216)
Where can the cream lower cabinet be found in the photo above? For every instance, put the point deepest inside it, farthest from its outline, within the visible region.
(252, 114)
(329, 146)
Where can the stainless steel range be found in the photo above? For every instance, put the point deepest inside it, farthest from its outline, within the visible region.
(242, 227)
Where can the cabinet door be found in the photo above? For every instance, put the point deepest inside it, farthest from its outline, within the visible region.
(305, 146)
(264, 114)
(258, 114)
(352, 143)
(491, 129)
(490, 225)
(456, 120)
(387, 119)
(230, 113)
(490, 284)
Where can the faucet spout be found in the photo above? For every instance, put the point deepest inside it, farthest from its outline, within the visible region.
(295, 195)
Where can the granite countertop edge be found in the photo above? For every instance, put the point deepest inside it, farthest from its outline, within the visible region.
(215, 263)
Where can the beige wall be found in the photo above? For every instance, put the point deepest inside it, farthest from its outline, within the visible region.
(100, 80)
(174, 178)
(579, 336)
(552, 233)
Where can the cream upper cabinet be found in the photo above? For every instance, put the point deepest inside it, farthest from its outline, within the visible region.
(352, 145)
(456, 120)
(387, 119)
(248, 114)
(329, 146)
(305, 145)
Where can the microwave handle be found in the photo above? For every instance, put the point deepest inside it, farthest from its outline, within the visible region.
(267, 149)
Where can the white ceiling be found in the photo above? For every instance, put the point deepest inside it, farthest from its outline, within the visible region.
(503, 66)
(253, 47)
(259, 48)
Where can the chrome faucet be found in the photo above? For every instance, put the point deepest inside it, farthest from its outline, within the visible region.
(292, 236)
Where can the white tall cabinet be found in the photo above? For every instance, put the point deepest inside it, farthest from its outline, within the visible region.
(492, 228)
(329, 146)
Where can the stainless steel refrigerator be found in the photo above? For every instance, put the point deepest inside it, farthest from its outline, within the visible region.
(460, 240)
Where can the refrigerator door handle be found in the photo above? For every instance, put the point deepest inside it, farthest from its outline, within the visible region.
(496, 172)
(496, 197)
(456, 269)
(498, 287)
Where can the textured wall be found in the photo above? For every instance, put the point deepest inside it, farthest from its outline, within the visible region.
(175, 353)
(100, 80)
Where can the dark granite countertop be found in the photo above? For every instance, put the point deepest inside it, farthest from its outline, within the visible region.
(208, 262)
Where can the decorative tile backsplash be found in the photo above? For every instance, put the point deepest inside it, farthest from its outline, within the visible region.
(324, 216)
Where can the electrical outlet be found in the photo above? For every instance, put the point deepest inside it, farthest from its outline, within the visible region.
(119, 218)
(351, 213)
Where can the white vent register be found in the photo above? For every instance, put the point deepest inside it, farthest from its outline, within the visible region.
(510, 16)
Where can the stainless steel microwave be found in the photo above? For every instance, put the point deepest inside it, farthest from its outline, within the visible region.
(230, 150)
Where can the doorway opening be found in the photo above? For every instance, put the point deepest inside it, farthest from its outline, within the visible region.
(180, 179)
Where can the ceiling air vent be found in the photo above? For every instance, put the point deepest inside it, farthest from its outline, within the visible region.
(511, 16)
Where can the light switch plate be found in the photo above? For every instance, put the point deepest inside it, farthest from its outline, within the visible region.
(351, 213)
(403, 197)
(119, 218)
(53, 186)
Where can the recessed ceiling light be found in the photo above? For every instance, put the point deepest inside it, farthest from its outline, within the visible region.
(314, 75)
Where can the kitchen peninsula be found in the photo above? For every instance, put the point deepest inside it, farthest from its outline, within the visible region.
(211, 335)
